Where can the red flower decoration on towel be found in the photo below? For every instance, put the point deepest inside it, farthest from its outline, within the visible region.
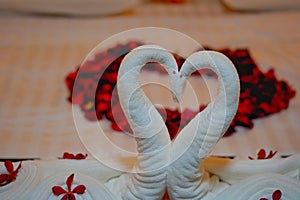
(69, 194)
(261, 94)
(275, 196)
(262, 155)
(78, 156)
(11, 175)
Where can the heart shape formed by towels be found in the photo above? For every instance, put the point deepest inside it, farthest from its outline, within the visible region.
(136, 105)
(196, 139)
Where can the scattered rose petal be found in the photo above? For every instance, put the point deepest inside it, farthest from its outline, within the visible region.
(275, 196)
(262, 155)
(78, 156)
(12, 174)
(57, 190)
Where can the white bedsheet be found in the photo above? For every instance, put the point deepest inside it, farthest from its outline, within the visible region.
(37, 52)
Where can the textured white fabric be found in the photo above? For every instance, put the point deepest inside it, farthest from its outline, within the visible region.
(158, 168)
(36, 179)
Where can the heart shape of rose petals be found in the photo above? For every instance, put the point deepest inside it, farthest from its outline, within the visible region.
(262, 93)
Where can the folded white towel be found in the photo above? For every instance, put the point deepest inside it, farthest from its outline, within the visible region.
(252, 5)
(69, 7)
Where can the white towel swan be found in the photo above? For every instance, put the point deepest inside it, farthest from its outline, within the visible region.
(197, 139)
(148, 126)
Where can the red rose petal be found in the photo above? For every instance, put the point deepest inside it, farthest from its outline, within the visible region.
(9, 166)
(80, 156)
(271, 154)
(15, 172)
(65, 197)
(19, 167)
(3, 178)
(71, 197)
(115, 126)
(70, 79)
(77, 98)
(68, 156)
(173, 130)
(261, 154)
(58, 190)
(79, 189)
(70, 181)
(102, 107)
(276, 195)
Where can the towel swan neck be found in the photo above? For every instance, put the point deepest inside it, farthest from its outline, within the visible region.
(150, 132)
